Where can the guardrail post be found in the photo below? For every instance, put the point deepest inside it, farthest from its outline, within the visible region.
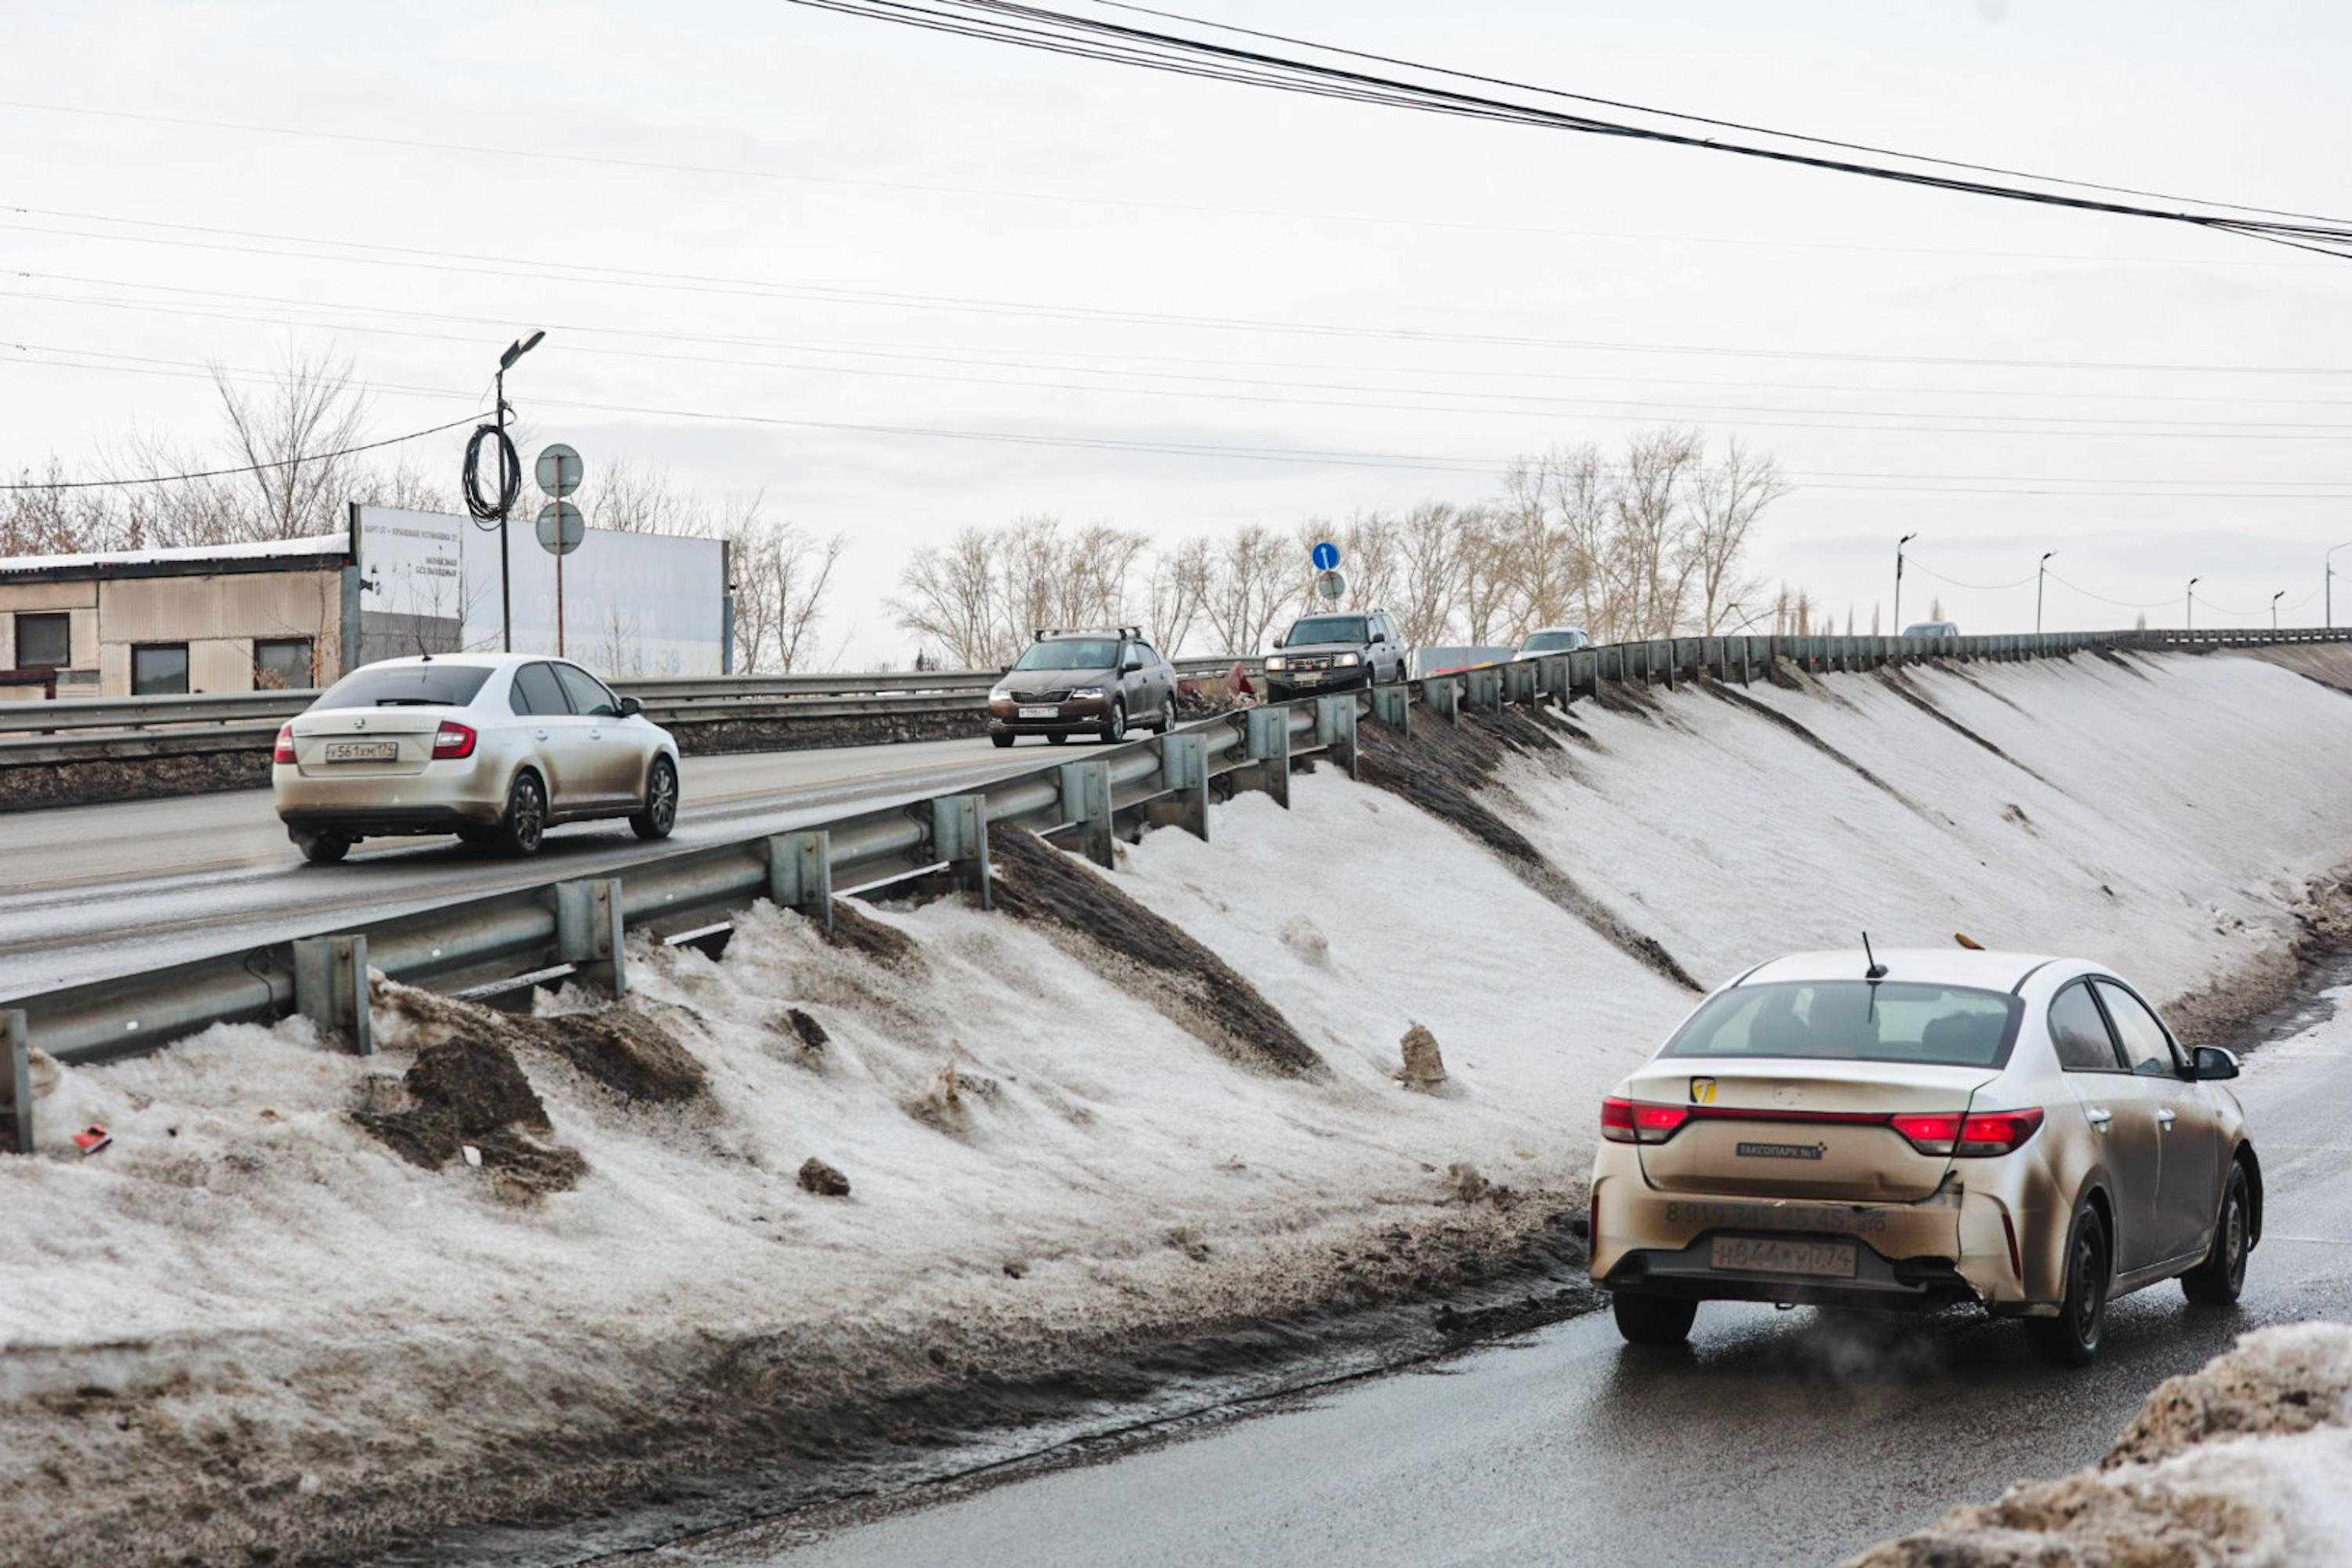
(330, 987)
(960, 838)
(1086, 801)
(1520, 683)
(1392, 706)
(1335, 726)
(1583, 675)
(588, 934)
(1184, 774)
(1444, 692)
(1268, 735)
(1485, 688)
(12, 1034)
(800, 874)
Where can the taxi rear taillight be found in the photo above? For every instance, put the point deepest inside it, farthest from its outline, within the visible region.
(1640, 1122)
(1977, 1136)
(285, 749)
(451, 741)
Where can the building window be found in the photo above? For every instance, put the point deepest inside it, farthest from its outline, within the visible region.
(282, 664)
(158, 670)
(44, 639)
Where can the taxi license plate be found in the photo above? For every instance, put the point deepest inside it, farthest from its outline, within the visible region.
(363, 750)
(1041, 712)
(1830, 1260)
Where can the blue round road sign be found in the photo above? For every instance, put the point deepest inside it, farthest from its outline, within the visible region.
(1325, 555)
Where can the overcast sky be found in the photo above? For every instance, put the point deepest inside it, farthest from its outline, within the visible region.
(741, 159)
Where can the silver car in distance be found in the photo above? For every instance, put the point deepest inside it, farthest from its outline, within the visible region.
(494, 748)
(1922, 1130)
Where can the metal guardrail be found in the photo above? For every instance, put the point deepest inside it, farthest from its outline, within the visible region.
(581, 926)
(678, 696)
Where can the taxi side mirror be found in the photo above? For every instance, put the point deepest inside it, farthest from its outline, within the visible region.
(2212, 1063)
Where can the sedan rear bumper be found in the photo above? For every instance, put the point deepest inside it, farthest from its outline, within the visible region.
(376, 821)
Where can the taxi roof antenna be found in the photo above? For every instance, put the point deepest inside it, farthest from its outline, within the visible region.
(1876, 970)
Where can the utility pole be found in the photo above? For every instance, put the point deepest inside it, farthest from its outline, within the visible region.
(2040, 570)
(2274, 599)
(1899, 580)
(2192, 603)
(509, 481)
(2330, 582)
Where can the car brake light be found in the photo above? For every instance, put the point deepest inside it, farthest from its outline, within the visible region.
(1639, 1121)
(285, 750)
(452, 740)
(1982, 1136)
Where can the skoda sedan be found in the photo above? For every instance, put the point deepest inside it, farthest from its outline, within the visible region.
(495, 748)
(1920, 1129)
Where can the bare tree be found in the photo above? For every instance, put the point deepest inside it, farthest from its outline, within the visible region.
(1176, 589)
(982, 594)
(1251, 583)
(313, 408)
(1726, 498)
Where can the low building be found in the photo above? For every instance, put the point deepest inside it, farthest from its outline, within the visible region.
(206, 619)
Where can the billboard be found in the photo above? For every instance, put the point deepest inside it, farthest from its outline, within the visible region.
(635, 605)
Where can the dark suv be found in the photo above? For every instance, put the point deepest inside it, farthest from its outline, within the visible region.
(1338, 653)
(1083, 683)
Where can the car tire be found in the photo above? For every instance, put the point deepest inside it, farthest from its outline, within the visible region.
(1000, 741)
(1058, 740)
(321, 848)
(2072, 1338)
(1653, 1319)
(2217, 1280)
(1114, 729)
(1167, 718)
(660, 814)
(522, 827)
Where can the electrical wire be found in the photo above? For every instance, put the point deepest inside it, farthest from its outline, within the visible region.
(245, 468)
(1918, 565)
(1062, 32)
(509, 475)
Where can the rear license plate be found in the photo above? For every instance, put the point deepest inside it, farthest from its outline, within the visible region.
(1831, 1260)
(1041, 712)
(363, 750)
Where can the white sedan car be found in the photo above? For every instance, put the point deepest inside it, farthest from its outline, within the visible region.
(494, 748)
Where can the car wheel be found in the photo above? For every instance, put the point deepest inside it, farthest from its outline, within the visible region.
(1114, 729)
(322, 849)
(2217, 1281)
(2072, 1338)
(1653, 1319)
(1058, 740)
(660, 814)
(1000, 741)
(1167, 717)
(525, 822)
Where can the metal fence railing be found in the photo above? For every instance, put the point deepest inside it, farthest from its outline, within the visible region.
(580, 926)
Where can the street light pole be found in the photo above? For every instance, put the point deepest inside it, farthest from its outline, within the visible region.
(508, 482)
(1899, 580)
(2274, 599)
(2041, 567)
(2192, 603)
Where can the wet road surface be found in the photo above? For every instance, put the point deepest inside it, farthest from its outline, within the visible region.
(93, 891)
(1776, 1437)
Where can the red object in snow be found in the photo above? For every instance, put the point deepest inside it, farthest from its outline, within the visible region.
(90, 1140)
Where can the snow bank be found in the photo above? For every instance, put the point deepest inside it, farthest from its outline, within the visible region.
(252, 1323)
(2240, 1464)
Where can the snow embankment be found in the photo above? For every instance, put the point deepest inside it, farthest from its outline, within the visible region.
(2242, 1463)
(289, 1309)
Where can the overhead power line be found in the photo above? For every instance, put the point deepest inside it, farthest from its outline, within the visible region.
(242, 468)
(1087, 37)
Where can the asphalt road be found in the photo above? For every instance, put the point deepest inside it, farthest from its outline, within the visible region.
(91, 891)
(1775, 1438)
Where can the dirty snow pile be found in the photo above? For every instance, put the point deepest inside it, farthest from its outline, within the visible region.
(1349, 1052)
(2241, 1465)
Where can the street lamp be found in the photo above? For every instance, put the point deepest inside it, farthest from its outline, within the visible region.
(2041, 567)
(2192, 603)
(2330, 582)
(1899, 580)
(2274, 599)
(508, 482)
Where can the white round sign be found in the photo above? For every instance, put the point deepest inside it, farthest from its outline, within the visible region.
(558, 471)
(560, 527)
(1330, 584)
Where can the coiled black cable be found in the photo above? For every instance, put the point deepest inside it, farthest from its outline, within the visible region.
(509, 475)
